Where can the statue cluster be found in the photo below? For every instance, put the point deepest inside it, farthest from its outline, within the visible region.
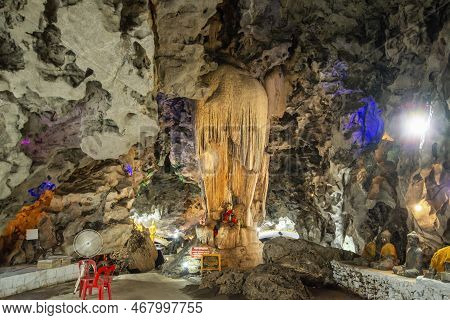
(387, 258)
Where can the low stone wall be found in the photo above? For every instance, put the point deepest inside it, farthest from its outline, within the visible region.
(17, 283)
(383, 285)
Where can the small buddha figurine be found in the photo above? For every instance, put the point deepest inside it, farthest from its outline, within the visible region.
(414, 257)
(388, 253)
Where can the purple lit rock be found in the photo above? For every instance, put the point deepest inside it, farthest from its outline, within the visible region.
(177, 123)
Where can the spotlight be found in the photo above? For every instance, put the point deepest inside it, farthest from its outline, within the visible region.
(418, 207)
(416, 125)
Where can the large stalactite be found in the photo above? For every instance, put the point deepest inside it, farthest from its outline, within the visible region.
(231, 136)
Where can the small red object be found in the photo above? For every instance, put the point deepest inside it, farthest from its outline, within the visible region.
(101, 281)
(227, 215)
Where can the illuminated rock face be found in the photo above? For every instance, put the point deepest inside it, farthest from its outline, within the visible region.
(67, 85)
(71, 93)
(231, 134)
(12, 237)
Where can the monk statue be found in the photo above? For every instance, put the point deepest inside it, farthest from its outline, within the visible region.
(388, 253)
(370, 250)
(440, 264)
(439, 259)
(414, 257)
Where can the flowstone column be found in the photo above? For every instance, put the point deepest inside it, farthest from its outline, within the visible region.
(231, 136)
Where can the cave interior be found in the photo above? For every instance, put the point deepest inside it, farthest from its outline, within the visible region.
(294, 139)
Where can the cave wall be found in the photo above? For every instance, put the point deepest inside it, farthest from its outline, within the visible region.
(77, 92)
(320, 63)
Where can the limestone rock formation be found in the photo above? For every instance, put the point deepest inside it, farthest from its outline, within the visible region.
(99, 196)
(177, 136)
(275, 282)
(231, 131)
(180, 209)
(181, 62)
(310, 261)
(71, 93)
(138, 253)
(265, 282)
(65, 53)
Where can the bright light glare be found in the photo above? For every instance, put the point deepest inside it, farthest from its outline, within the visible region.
(415, 125)
(418, 207)
(185, 265)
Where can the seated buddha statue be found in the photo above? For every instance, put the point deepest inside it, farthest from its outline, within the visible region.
(388, 254)
(414, 258)
(367, 256)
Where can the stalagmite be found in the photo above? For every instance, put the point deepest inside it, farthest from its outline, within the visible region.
(231, 136)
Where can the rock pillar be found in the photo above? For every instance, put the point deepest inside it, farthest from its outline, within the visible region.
(231, 136)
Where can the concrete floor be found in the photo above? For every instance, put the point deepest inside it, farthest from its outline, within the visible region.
(154, 286)
(144, 286)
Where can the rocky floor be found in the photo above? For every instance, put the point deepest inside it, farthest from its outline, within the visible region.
(154, 286)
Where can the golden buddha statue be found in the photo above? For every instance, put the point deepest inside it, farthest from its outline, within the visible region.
(439, 259)
(388, 253)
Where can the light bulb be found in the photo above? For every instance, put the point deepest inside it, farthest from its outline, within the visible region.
(415, 125)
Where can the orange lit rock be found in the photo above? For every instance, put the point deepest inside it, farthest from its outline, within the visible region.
(387, 137)
(27, 218)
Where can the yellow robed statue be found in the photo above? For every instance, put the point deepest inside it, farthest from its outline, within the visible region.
(439, 259)
(152, 230)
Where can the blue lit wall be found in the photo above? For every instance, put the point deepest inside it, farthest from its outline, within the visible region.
(366, 124)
